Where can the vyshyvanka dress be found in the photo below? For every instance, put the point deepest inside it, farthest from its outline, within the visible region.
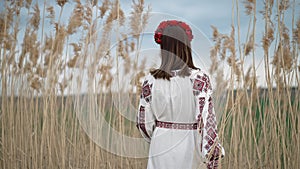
(177, 118)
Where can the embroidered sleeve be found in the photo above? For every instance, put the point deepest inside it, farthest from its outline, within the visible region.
(210, 147)
(145, 117)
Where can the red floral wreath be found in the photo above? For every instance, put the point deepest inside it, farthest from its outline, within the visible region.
(164, 24)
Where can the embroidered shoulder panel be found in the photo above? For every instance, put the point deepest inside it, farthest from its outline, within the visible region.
(147, 89)
(201, 83)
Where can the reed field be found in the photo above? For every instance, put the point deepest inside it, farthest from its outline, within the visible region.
(63, 91)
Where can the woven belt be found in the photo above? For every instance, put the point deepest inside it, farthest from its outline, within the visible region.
(181, 126)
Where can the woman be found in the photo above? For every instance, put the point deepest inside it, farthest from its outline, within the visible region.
(176, 114)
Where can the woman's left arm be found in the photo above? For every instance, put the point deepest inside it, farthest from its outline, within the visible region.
(211, 148)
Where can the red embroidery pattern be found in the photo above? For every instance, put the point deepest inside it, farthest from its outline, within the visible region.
(201, 104)
(145, 94)
(181, 126)
(201, 83)
(142, 120)
(146, 91)
(214, 159)
(211, 128)
(199, 117)
(198, 85)
(213, 164)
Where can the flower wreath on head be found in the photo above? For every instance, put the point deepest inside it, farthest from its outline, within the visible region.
(160, 29)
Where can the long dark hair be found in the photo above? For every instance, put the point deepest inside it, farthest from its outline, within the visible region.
(176, 54)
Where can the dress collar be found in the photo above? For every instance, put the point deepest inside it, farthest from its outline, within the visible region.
(176, 72)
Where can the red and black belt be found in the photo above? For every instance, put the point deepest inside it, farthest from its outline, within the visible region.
(172, 125)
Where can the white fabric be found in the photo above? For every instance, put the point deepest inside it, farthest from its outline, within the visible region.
(175, 101)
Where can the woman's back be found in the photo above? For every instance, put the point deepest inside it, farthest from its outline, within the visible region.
(173, 100)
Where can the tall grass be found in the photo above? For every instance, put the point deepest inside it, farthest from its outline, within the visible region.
(259, 126)
(43, 74)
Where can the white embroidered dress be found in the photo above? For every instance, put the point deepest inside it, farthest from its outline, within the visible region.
(184, 100)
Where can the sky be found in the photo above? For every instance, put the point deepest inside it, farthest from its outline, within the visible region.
(200, 15)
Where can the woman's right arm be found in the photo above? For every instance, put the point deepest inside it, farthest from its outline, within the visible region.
(145, 117)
